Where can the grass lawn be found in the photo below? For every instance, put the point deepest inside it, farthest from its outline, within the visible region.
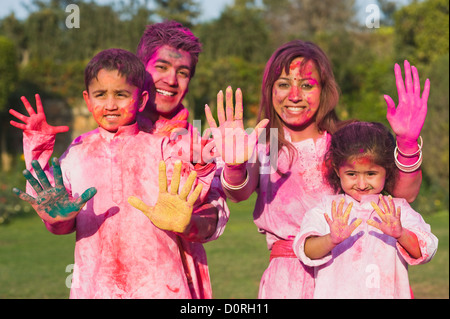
(33, 262)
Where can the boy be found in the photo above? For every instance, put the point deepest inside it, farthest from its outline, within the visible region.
(119, 253)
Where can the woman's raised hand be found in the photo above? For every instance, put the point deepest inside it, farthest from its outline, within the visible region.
(233, 143)
(408, 117)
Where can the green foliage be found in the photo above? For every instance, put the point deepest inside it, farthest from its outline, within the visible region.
(8, 70)
(183, 11)
(422, 37)
(236, 47)
(423, 29)
(435, 133)
(239, 31)
(10, 204)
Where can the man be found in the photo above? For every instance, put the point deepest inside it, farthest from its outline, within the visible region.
(170, 54)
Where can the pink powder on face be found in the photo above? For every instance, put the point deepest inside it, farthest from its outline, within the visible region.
(295, 65)
(366, 159)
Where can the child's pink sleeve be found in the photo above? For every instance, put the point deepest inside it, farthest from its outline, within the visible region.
(414, 222)
(313, 224)
(39, 146)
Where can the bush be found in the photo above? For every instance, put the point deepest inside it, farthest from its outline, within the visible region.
(10, 204)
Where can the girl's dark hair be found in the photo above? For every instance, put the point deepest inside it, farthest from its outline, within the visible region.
(125, 62)
(361, 139)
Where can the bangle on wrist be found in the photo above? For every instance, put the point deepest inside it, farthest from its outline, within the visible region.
(408, 168)
(232, 187)
(415, 153)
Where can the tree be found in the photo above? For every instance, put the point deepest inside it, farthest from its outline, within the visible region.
(14, 29)
(8, 70)
(422, 37)
(304, 19)
(422, 30)
(436, 138)
(8, 78)
(239, 31)
(235, 49)
(183, 11)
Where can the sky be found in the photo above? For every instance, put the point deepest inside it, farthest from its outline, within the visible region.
(211, 9)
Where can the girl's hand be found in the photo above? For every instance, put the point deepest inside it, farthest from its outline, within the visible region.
(53, 204)
(390, 218)
(233, 143)
(339, 227)
(173, 210)
(36, 121)
(408, 117)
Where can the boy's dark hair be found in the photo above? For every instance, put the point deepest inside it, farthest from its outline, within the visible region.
(169, 33)
(125, 62)
(362, 139)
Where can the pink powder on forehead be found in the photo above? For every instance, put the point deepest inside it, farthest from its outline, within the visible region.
(295, 65)
(305, 68)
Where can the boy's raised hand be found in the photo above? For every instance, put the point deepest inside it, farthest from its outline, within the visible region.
(53, 203)
(390, 218)
(339, 227)
(233, 143)
(173, 209)
(36, 121)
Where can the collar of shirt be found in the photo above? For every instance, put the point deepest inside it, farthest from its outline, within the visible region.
(365, 202)
(123, 131)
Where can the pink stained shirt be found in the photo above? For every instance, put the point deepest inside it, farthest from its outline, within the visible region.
(216, 195)
(119, 253)
(281, 204)
(369, 264)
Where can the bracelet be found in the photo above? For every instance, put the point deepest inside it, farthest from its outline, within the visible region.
(408, 168)
(414, 154)
(232, 187)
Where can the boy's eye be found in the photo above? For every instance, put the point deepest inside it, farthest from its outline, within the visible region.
(161, 67)
(184, 74)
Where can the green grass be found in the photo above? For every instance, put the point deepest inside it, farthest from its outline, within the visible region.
(431, 280)
(33, 262)
(239, 257)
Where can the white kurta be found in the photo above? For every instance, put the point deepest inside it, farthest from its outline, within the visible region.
(368, 264)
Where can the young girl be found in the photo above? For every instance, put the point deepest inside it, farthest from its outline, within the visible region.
(360, 242)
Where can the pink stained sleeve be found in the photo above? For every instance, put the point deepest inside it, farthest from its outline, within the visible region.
(39, 146)
(414, 222)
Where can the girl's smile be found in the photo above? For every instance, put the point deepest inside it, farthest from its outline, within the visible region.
(360, 176)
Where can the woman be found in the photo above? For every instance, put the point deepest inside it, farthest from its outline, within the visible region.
(299, 94)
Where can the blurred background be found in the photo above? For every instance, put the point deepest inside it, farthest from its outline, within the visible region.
(43, 50)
